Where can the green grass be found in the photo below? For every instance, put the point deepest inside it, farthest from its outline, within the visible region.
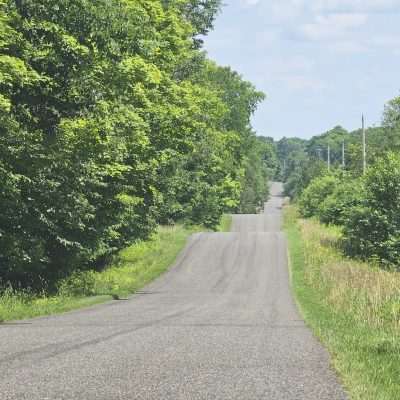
(353, 307)
(132, 269)
(225, 224)
(20, 305)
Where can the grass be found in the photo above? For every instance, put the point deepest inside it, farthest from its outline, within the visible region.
(20, 305)
(132, 269)
(225, 224)
(353, 307)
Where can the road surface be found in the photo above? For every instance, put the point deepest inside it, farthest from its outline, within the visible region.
(221, 324)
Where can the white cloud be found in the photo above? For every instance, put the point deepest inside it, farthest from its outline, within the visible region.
(357, 6)
(303, 82)
(296, 73)
(306, 53)
(368, 6)
(348, 47)
(340, 26)
(331, 26)
(250, 2)
(291, 65)
(286, 11)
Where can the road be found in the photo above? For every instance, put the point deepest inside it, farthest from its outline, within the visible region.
(220, 324)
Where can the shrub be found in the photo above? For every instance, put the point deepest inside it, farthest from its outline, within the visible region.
(334, 208)
(372, 229)
(314, 195)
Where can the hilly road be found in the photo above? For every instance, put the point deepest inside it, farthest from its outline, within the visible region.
(220, 324)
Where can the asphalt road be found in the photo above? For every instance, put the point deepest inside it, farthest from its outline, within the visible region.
(221, 324)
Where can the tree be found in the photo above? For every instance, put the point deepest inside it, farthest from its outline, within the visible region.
(372, 229)
(112, 120)
(391, 114)
(317, 191)
(200, 13)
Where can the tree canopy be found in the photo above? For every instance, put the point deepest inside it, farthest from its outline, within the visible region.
(113, 120)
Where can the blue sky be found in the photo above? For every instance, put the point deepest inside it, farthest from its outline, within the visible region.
(321, 63)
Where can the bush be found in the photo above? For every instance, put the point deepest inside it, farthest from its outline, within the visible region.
(320, 188)
(346, 195)
(372, 229)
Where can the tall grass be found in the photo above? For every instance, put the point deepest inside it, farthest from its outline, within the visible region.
(133, 268)
(354, 307)
(16, 304)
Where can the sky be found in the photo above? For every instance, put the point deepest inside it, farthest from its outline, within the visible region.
(321, 63)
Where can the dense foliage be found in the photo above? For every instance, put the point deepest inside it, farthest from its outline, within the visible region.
(255, 180)
(372, 229)
(367, 207)
(313, 197)
(112, 120)
(346, 194)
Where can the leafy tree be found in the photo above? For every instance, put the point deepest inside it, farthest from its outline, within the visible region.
(112, 120)
(372, 229)
(391, 114)
(317, 191)
(249, 162)
(200, 13)
(255, 180)
(299, 171)
(317, 147)
(287, 150)
(347, 194)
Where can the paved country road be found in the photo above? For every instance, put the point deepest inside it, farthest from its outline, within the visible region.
(221, 324)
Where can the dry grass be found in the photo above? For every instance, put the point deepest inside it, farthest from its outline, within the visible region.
(372, 294)
(353, 307)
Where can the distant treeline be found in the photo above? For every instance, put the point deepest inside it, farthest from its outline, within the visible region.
(366, 206)
(113, 120)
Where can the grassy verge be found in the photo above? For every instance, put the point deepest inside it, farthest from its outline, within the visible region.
(133, 268)
(225, 224)
(353, 307)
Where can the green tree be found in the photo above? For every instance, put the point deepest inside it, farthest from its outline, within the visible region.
(112, 120)
(317, 191)
(372, 229)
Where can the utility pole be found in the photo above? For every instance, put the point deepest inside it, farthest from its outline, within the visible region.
(364, 146)
(343, 156)
(329, 157)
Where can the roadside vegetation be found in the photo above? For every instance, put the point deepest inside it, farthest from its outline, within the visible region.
(131, 269)
(113, 122)
(352, 306)
(365, 205)
(344, 238)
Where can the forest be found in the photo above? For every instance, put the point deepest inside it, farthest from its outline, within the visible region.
(332, 185)
(113, 121)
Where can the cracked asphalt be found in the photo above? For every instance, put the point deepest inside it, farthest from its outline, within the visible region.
(220, 324)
